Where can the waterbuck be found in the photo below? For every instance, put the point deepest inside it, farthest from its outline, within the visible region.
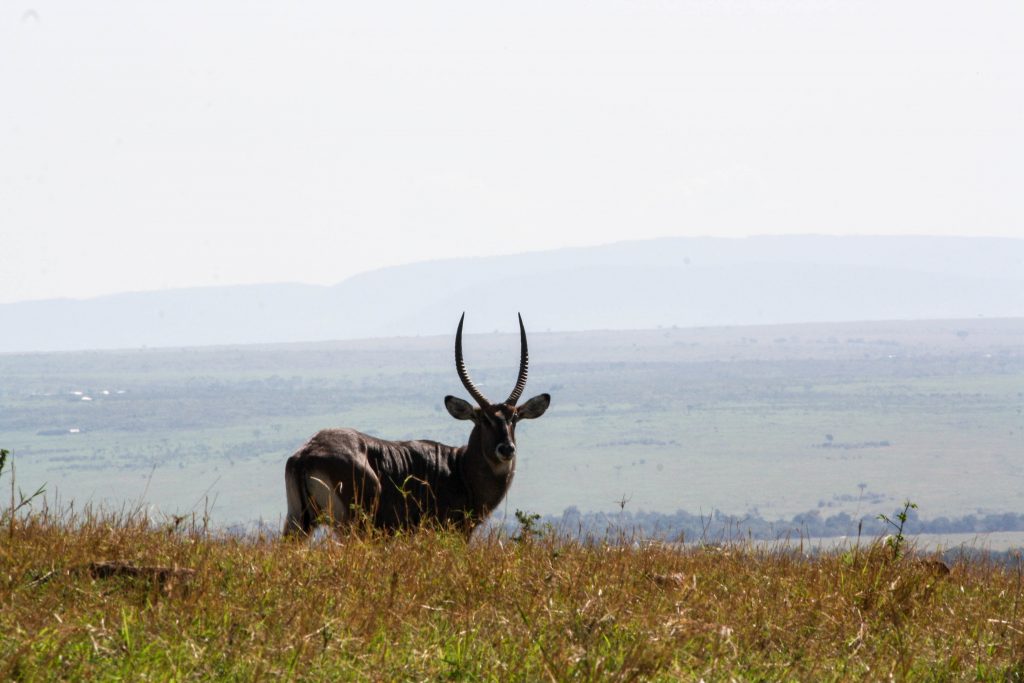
(342, 476)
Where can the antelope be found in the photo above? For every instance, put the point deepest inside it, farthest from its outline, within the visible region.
(342, 476)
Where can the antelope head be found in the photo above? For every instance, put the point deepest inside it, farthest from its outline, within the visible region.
(494, 431)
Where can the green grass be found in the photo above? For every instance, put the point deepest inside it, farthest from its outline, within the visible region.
(430, 606)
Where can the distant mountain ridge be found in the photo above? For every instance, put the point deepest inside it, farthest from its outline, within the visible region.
(628, 285)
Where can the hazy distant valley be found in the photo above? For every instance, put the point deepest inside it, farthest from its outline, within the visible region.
(776, 420)
(730, 375)
(686, 282)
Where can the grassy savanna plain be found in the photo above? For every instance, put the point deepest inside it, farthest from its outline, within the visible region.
(102, 596)
(96, 583)
(851, 417)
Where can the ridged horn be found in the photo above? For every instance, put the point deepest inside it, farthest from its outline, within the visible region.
(460, 366)
(524, 366)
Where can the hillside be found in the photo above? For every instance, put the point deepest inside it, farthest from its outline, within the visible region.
(685, 282)
(105, 597)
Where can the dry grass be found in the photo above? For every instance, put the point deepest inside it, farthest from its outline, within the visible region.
(430, 606)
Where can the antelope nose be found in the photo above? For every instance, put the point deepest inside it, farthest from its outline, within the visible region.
(506, 450)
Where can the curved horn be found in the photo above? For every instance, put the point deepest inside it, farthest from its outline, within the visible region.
(524, 365)
(460, 366)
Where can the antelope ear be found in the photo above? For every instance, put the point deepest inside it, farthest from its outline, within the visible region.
(457, 408)
(535, 407)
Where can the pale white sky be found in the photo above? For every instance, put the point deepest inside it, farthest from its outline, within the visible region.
(150, 144)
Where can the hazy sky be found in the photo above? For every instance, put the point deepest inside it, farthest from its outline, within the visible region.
(162, 144)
